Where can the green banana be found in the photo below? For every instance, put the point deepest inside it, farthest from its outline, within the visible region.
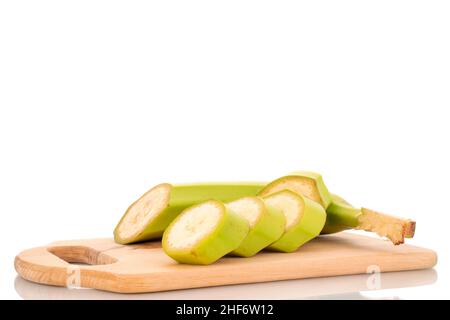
(204, 233)
(149, 216)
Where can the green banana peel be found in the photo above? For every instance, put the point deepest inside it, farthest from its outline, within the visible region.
(341, 216)
(204, 233)
(150, 215)
(339, 200)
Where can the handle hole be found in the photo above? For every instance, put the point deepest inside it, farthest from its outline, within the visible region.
(80, 255)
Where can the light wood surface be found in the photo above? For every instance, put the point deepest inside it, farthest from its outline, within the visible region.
(103, 264)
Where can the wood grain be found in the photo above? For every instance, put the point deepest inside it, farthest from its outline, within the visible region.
(144, 267)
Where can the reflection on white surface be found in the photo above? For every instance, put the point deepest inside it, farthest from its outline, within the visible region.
(342, 287)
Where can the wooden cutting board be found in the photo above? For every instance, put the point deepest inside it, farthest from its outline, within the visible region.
(105, 265)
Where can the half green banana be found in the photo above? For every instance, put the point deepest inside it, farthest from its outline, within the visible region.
(149, 216)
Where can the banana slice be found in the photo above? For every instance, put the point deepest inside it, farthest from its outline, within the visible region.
(306, 183)
(149, 216)
(304, 219)
(266, 224)
(204, 233)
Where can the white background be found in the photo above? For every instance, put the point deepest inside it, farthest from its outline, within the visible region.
(100, 100)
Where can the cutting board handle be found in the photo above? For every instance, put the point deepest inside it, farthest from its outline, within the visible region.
(80, 255)
(63, 265)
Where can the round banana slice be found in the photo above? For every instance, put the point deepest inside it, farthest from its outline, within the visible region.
(203, 233)
(304, 219)
(266, 224)
(144, 218)
(305, 183)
